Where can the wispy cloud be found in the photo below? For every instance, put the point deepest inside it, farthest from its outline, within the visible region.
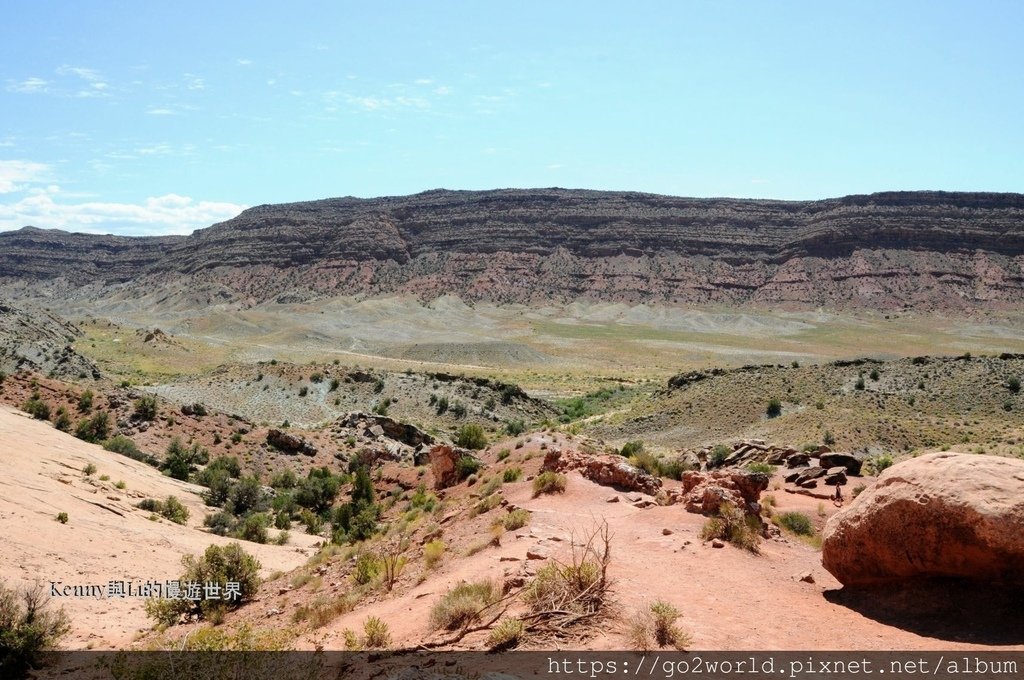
(29, 85)
(15, 175)
(194, 82)
(167, 214)
(96, 84)
(243, 62)
(160, 111)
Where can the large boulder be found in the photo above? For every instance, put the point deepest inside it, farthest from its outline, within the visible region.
(939, 515)
(608, 470)
(847, 460)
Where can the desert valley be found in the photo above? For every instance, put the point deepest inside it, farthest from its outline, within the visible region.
(526, 420)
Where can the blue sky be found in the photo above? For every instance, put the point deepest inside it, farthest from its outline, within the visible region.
(135, 118)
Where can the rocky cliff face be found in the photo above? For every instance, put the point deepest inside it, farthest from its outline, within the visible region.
(931, 249)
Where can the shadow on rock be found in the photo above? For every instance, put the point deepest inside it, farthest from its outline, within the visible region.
(945, 609)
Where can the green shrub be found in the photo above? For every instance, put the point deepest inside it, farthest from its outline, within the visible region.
(253, 528)
(874, 374)
(657, 626)
(718, 455)
(432, 553)
(368, 567)
(859, 385)
(284, 480)
(375, 632)
(27, 629)
(62, 517)
(122, 445)
(466, 466)
(246, 496)
(146, 408)
(774, 408)
(94, 429)
(89, 470)
(732, 525)
(318, 491)
(508, 634)
(217, 565)
(797, 522)
(1013, 384)
(174, 510)
(181, 460)
(512, 474)
(37, 408)
(471, 436)
(441, 406)
(514, 428)
(461, 606)
(548, 482)
(631, 448)
(458, 410)
(516, 519)
(880, 463)
(765, 468)
(150, 505)
(62, 420)
(85, 401)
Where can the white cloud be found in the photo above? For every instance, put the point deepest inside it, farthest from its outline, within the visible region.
(97, 86)
(243, 62)
(168, 214)
(13, 174)
(154, 111)
(194, 82)
(28, 85)
(84, 73)
(374, 103)
(424, 81)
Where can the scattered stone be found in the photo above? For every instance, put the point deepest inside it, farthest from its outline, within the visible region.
(798, 460)
(807, 577)
(836, 476)
(666, 532)
(612, 499)
(536, 553)
(715, 543)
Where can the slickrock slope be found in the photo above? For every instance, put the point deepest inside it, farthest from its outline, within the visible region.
(887, 250)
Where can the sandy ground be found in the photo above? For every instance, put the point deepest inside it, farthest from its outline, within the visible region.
(106, 537)
(730, 599)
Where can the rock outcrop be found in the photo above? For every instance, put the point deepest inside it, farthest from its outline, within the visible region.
(938, 515)
(444, 464)
(704, 492)
(371, 425)
(290, 443)
(607, 470)
(885, 250)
